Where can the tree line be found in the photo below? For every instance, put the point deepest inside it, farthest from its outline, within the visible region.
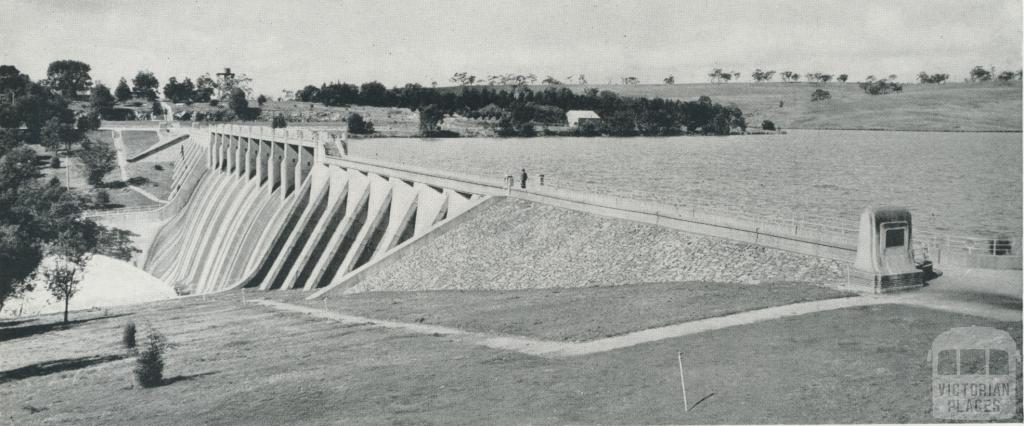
(519, 108)
(42, 218)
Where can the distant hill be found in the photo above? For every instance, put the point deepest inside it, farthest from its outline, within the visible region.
(992, 106)
(953, 106)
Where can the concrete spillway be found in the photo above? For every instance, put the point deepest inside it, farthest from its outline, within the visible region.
(279, 210)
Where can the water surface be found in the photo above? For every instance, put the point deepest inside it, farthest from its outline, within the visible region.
(960, 183)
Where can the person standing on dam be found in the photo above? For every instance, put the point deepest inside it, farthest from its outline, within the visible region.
(522, 179)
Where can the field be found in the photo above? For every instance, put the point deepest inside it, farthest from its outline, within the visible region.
(945, 107)
(250, 364)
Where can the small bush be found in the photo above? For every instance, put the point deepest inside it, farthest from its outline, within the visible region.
(214, 102)
(278, 122)
(54, 162)
(149, 366)
(158, 167)
(102, 197)
(357, 125)
(768, 125)
(128, 338)
(820, 95)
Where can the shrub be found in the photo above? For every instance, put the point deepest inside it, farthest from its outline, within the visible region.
(767, 125)
(214, 102)
(278, 122)
(820, 95)
(102, 197)
(149, 366)
(158, 167)
(128, 338)
(54, 162)
(357, 125)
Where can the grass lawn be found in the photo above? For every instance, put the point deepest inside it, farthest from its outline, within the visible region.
(137, 141)
(575, 314)
(246, 365)
(155, 177)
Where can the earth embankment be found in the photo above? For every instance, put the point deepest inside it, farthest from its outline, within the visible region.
(518, 244)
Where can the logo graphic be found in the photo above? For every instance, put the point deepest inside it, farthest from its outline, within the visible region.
(974, 374)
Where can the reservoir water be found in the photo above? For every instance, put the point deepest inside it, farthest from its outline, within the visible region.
(957, 183)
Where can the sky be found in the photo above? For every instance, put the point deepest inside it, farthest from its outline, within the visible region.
(288, 44)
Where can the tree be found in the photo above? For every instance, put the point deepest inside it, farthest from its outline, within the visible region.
(925, 78)
(69, 77)
(430, 120)
(463, 79)
(101, 99)
(786, 75)
(307, 94)
(374, 93)
(357, 125)
(767, 125)
(632, 81)
(89, 121)
(237, 101)
(715, 75)
(670, 79)
(205, 87)
(278, 122)
(1006, 76)
(144, 85)
(98, 158)
(551, 81)
(820, 95)
(56, 133)
(70, 253)
(149, 366)
(179, 92)
(261, 100)
(122, 92)
(20, 253)
(12, 79)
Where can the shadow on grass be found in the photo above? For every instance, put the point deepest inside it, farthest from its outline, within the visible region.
(11, 333)
(176, 379)
(138, 180)
(11, 323)
(58, 366)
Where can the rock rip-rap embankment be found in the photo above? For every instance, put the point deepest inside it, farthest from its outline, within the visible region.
(518, 244)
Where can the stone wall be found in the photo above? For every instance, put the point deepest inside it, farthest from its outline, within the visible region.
(518, 244)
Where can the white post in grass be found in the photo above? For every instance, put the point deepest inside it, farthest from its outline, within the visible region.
(686, 406)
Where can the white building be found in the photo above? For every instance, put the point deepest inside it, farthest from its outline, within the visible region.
(576, 117)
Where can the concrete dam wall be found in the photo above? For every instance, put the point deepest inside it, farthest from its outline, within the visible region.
(275, 209)
(271, 211)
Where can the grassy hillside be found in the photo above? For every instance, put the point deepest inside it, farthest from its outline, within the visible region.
(954, 106)
(235, 364)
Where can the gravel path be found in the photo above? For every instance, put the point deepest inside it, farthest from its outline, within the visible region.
(519, 244)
